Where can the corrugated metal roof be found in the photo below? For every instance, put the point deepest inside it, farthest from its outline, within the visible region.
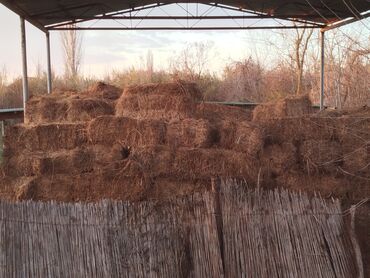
(46, 12)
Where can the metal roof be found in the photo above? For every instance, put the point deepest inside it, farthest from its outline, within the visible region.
(45, 13)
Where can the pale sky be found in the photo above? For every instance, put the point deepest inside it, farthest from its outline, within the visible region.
(104, 51)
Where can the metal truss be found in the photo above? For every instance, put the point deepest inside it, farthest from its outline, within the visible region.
(126, 18)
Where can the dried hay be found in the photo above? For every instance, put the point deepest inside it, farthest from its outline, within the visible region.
(327, 185)
(92, 188)
(357, 112)
(179, 88)
(170, 144)
(86, 187)
(218, 112)
(278, 159)
(300, 129)
(182, 163)
(88, 109)
(208, 163)
(108, 130)
(65, 108)
(241, 136)
(159, 101)
(45, 137)
(155, 107)
(321, 154)
(144, 162)
(191, 133)
(76, 161)
(104, 91)
(167, 188)
(9, 186)
(357, 162)
(287, 107)
(47, 108)
(353, 131)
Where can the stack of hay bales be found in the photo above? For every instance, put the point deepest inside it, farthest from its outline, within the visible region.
(160, 140)
(326, 152)
(284, 108)
(99, 99)
(166, 101)
(93, 145)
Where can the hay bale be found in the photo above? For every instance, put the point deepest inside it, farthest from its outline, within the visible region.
(93, 188)
(108, 130)
(327, 185)
(287, 107)
(209, 163)
(357, 161)
(168, 188)
(218, 112)
(65, 108)
(85, 187)
(159, 107)
(178, 88)
(181, 163)
(353, 131)
(144, 162)
(191, 133)
(241, 136)
(278, 159)
(321, 154)
(49, 108)
(21, 165)
(159, 101)
(61, 162)
(300, 129)
(87, 109)
(104, 91)
(353, 134)
(45, 137)
(9, 186)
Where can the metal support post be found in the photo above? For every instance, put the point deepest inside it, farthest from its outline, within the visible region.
(48, 63)
(322, 73)
(24, 63)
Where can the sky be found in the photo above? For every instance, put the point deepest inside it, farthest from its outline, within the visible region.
(104, 51)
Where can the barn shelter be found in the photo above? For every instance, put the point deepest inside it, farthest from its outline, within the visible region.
(56, 15)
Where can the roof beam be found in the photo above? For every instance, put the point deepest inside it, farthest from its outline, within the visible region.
(295, 18)
(183, 28)
(97, 17)
(14, 7)
(345, 22)
(166, 17)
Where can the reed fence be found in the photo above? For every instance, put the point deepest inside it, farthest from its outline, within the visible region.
(232, 232)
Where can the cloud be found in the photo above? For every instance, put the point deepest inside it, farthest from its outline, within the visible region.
(130, 41)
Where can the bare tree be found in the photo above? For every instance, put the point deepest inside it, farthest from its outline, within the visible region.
(193, 60)
(347, 67)
(243, 81)
(3, 78)
(150, 65)
(72, 46)
(301, 41)
(296, 44)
